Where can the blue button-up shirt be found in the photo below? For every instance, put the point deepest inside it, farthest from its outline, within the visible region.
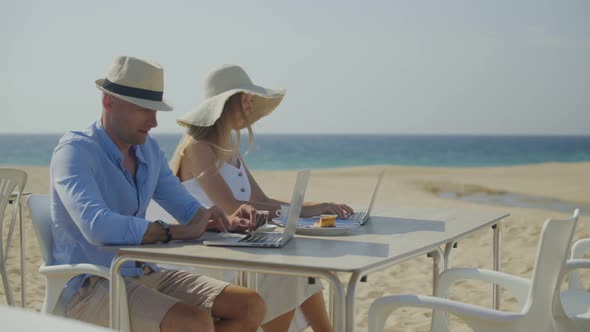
(95, 200)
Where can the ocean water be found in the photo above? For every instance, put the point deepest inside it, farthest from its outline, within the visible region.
(281, 152)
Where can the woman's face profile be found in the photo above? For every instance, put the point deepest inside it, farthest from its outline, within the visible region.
(240, 110)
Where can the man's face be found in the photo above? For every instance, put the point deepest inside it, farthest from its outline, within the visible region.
(131, 123)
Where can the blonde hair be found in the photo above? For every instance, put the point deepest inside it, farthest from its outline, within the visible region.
(223, 130)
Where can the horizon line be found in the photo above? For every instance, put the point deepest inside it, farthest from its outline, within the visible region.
(351, 134)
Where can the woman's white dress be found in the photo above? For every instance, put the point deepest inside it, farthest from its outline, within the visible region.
(281, 293)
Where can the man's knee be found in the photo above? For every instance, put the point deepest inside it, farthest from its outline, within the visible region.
(183, 317)
(240, 304)
(253, 310)
(257, 307)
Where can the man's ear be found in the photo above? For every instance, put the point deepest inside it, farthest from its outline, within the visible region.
(107, 101)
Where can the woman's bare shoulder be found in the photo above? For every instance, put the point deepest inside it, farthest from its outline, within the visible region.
(200, 151)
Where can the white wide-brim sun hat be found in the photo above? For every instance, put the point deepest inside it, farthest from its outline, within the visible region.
(138, 81)
(222, 82)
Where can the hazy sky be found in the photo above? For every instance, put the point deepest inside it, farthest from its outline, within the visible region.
(506, 67)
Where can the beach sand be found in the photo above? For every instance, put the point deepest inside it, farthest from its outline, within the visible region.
(404, 187)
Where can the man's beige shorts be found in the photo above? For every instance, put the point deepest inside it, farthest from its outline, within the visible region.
(149, 297)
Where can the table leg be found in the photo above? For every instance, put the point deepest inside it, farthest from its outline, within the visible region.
(253, 281)
(496, 262)
(441, 262)
(248, 280)
(116, 297)
(243, 279)
(332, 302)
(438, 264)
(350, 302)
(448, 254)
(114, 283)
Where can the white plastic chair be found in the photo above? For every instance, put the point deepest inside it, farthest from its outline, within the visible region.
(56, 276)
(573, 307)
(11, 181)
(535, 296)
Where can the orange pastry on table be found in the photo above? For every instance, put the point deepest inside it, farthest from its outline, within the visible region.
(326, 220)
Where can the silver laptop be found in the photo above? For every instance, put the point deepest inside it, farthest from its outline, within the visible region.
(363, 216)
(260, 239)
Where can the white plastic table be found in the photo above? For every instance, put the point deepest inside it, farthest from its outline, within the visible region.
(390, 237)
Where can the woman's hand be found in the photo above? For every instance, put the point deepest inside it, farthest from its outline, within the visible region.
(342, 210)
(246, 219)
(213, 217)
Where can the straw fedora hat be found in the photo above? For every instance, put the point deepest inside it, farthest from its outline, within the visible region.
(220, 83)
(138, 81)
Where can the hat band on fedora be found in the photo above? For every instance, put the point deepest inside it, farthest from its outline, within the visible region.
(132, 92)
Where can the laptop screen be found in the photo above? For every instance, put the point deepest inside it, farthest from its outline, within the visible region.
(297, 201)
(372, 202)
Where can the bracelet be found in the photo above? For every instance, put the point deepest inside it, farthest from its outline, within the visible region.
(166, 228)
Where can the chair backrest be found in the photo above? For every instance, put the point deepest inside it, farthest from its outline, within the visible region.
(552, 254)
(40, 210)
(10, 179)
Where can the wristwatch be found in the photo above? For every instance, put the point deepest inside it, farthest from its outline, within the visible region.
(166, 228)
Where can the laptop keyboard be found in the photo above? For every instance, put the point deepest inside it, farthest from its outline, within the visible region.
(263, 237)
(357, 216)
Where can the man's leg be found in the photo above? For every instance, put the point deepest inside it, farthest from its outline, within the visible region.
(149, 310)
(238, 308)
(184, 317)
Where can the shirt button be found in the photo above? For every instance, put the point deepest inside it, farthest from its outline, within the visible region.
(240, 174)
(243, 189)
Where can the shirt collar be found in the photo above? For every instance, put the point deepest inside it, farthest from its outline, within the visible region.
(106, 141)
(112, 149)
(139, 154)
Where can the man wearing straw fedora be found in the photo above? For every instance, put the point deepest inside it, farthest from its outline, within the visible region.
(102, 179)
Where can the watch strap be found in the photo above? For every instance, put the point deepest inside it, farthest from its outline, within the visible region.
(166, 228)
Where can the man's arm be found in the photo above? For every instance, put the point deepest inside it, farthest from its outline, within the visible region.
(173, 197)
(192, 230)
(73, 177)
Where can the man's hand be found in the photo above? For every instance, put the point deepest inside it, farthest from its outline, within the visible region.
(197, 226)
(244, 219)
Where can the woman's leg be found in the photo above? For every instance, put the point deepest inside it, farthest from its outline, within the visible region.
(314, 310)
(280, 323)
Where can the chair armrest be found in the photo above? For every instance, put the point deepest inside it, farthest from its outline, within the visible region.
(575, 264)
(580, 247)
(57, 276)
(519, 287)
(475, 316)
(574, 279)
(71, 270)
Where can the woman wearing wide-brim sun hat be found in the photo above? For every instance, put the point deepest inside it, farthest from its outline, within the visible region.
(208, 162)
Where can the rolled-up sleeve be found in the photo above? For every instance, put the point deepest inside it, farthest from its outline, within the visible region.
(173, 196)
(75, 183)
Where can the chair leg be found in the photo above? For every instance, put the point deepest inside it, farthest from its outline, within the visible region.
(23, 271)
(53, 289)
(6, 283)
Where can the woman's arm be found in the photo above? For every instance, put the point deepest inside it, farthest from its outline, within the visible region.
(258, 194)
(202, 162)
(309, 209)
